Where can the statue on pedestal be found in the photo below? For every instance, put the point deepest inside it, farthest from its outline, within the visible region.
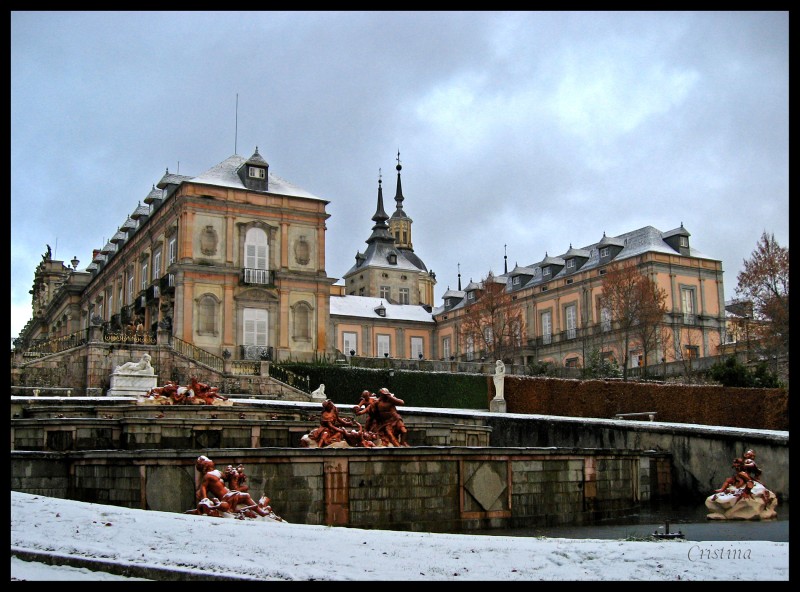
(141, 367)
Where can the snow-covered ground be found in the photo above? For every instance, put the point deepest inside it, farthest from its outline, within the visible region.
(204, 546)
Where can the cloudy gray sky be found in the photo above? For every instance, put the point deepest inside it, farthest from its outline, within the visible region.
(534, 130)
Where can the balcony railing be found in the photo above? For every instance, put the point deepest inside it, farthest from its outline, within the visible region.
(256, 352)
(200, 355)
(167, 283)
(59, 344)
(126, 336)
(263, 277)
(153, 292)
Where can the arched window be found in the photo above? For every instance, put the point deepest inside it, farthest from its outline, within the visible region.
(256, 249)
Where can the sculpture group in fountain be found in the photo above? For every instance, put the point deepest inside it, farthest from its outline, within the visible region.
(383, 425)
(225, 495)
(197, 393)
(743, 496)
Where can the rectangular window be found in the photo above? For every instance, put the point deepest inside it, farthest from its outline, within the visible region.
(361, 291)
(571, 317)
(568, 282)
(172, 250)
(684, 241)
(570, 263)
(405, 297)
(471, 296)
(256, 173)
(470, 349)
(687, 305)
(143, 277)
(605, 319)
(417, 351)
(546, 271)
(604, 252)
(692, 352)
(385, 292)
(571, 363)
(119, 298)
(446, 348)
(384, 349)
(544, 288)
(547, 327)
(129, 298)
(601, 272)
(515, 281)
(350, 343)
(255, 326)
(255, 256)
(157, 264)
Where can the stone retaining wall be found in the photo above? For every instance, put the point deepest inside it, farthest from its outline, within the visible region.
(437, 489)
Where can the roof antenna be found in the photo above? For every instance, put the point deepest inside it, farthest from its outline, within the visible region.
(236, 129)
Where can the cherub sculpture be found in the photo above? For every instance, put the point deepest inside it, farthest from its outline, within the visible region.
(742, 495)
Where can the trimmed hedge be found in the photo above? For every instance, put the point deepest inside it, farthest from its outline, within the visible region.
(417, 389)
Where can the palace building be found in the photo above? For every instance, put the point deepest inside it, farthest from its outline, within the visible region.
(232, 262)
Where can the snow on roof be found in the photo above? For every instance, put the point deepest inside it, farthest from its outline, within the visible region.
(364, 307)
(225, 174)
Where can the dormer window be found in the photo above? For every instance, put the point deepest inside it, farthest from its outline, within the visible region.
(471, 296)
(392, 258)
(256, 172)
(546, 271)
(604, 252)
(380, 310)
(515, 281)
(685, 241)
(570, 263)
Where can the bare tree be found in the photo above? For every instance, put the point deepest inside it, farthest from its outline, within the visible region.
(493, 321)
(620, 296)
(764, 281)
(652, 309)
(637, 306)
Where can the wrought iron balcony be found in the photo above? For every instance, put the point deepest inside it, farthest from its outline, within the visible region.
(261, 277)
(257, 352)
(167, 283)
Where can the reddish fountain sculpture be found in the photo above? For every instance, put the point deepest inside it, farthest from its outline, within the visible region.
(225, 495)
(383, 425)
(743, 496)
(197, 393)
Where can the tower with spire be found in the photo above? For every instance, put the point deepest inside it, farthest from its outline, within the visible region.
(388, 268)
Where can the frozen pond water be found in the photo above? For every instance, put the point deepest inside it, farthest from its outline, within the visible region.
(690, 520)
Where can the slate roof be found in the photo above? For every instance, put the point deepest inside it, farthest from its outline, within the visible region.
(364, 307)
(225, 174)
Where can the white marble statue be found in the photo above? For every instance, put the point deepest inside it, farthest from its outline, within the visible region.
(141, 367)
(499, 379)
(319, 393)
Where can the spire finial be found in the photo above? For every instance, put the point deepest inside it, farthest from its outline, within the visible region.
(398, 167)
